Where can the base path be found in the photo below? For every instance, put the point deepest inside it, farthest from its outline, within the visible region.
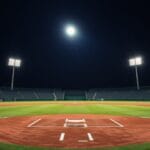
(74, 131)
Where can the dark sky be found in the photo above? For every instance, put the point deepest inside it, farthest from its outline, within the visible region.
(111, 31)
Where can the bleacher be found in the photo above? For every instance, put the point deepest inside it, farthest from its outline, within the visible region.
(119, 94)
(26, 94)
(75, 95)
(93, 94)
(45, 94)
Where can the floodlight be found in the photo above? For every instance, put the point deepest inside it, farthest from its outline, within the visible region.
(136, 61)
(132, 62)
(18, 63)
(13, 63)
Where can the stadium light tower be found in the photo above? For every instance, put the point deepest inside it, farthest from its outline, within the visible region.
(135, 62)
(14, 63)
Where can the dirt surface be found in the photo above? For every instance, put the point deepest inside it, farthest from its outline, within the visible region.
(46, 130)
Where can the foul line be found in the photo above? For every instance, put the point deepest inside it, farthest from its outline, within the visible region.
(119, 124)
(62, 135)
(3, 117)
(33, 123)
(145, 117)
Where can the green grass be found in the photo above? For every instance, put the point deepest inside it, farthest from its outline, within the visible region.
(58, 108)
(145, 146)
(42, 108)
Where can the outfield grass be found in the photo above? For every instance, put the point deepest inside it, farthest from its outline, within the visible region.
(58, 108)
(41, 108)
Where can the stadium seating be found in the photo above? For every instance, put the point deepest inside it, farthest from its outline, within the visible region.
(114, 94)
(44, 94)
(94, 94)
(75, 95)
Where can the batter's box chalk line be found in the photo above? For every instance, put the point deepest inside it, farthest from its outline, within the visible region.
(117, 123)
(89, 135)
(62, 136)
(76, 123)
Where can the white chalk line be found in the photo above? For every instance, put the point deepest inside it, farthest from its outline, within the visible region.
(65, 125)
(3, 117)
(90, 137)
(99, 126)
(46, 126)
(79, 125)
(145, 117)
(85, 125)
(34, 122)
(117, 123)
(62, 136)
(51, 126)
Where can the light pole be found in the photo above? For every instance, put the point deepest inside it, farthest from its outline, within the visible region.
(13, 63)
(135, 62)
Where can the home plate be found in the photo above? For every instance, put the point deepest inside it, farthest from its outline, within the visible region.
(82, 141)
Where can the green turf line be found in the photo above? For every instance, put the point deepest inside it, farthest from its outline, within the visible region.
(145, 146)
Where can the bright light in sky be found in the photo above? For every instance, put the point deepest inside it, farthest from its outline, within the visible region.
(135, 61)
(14, 62)
(71, 30)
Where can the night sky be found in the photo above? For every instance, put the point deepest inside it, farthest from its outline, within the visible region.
(110, 32)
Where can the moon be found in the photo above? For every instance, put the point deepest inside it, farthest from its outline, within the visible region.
(71, 30)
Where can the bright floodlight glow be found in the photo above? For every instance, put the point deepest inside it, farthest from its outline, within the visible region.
(138, 61)
(11, 62)
(71, 30)
(135, 61)
(18, 63)
(14, 62)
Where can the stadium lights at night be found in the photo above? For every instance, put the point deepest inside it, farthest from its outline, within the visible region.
(135, 62)
(13, 63)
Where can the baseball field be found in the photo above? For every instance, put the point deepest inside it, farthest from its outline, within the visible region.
(92, 125)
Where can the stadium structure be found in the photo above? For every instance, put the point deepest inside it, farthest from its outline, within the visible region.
(35, 94)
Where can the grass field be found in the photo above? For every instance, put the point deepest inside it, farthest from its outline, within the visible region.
(10, 109)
